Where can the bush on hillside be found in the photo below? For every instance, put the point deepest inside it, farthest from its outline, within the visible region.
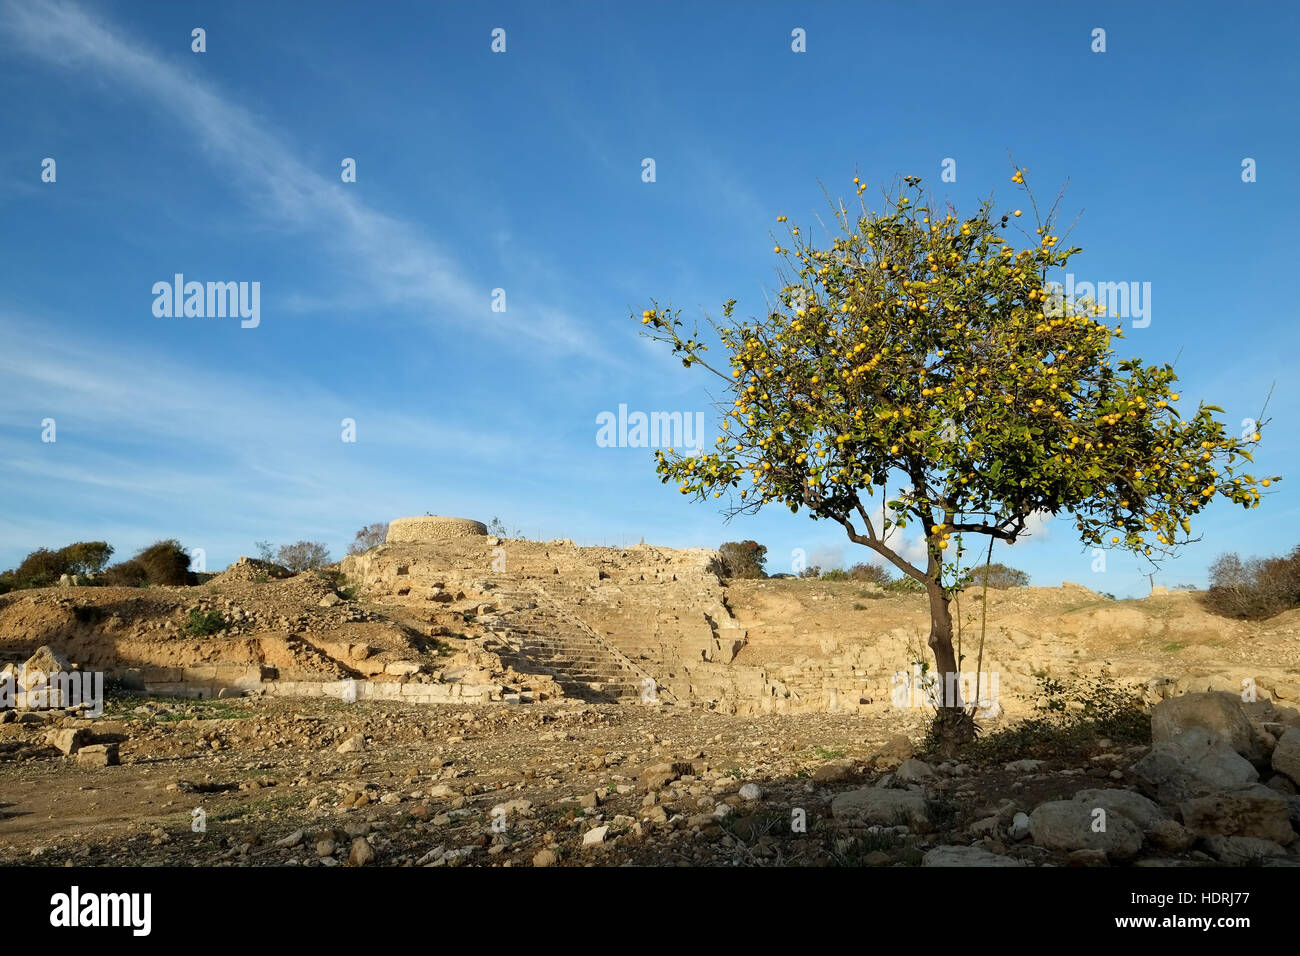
(124, 574)
(86, 558)
(742, 559)
(999, 576)
(1254, 589)
(202, 623)
(303, 556)
(166, 563)
(44, 567)
(870, 573)
(40, 569)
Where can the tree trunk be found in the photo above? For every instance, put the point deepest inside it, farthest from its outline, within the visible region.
(953, 726)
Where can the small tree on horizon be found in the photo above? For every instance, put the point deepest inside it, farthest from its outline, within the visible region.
(998, 575)
(368, 537)
(871, 573)
(303, 556)
(743, 559)
(922, 351)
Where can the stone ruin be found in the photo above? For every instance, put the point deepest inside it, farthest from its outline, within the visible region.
(433, 528)
(639, 623)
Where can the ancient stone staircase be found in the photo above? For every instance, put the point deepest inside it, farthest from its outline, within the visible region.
(539, 635)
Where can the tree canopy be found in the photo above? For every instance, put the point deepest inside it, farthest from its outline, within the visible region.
(920, 345)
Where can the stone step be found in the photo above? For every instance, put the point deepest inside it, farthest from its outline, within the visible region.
(543, 639)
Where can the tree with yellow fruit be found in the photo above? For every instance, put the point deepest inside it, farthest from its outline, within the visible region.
(925, 352)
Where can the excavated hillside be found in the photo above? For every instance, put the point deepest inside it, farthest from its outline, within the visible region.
(474, 616)
(609, 622)
(595, 693)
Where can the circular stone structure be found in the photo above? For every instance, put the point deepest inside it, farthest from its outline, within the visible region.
(433, 528)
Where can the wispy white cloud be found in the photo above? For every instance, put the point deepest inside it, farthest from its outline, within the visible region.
(113, 390)
(399, 265)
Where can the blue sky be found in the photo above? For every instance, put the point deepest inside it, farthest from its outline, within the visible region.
(522, 171)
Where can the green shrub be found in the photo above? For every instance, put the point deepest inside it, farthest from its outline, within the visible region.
(741, 559)
(41, 569)
(125, 574)
(1000, 577)
(202, 623)
(86, 557)
(44, 567)
(166, 562)
(871, 573)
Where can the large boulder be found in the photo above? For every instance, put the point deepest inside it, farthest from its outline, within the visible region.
(1067, 825)
(1253, 812)
(1286, 755)
(912, 770)
(46, 660)
(874, 806)
(1219, 712)
(99, 755)
(69, 740)
(1195, 763)
(1242, 851)
(1145, 813)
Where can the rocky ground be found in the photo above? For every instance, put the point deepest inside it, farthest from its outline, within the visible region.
(267, 782)
(1105, 749)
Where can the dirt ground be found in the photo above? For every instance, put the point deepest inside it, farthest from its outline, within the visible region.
(509, 786)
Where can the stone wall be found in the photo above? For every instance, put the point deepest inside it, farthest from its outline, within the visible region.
(433, 528)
